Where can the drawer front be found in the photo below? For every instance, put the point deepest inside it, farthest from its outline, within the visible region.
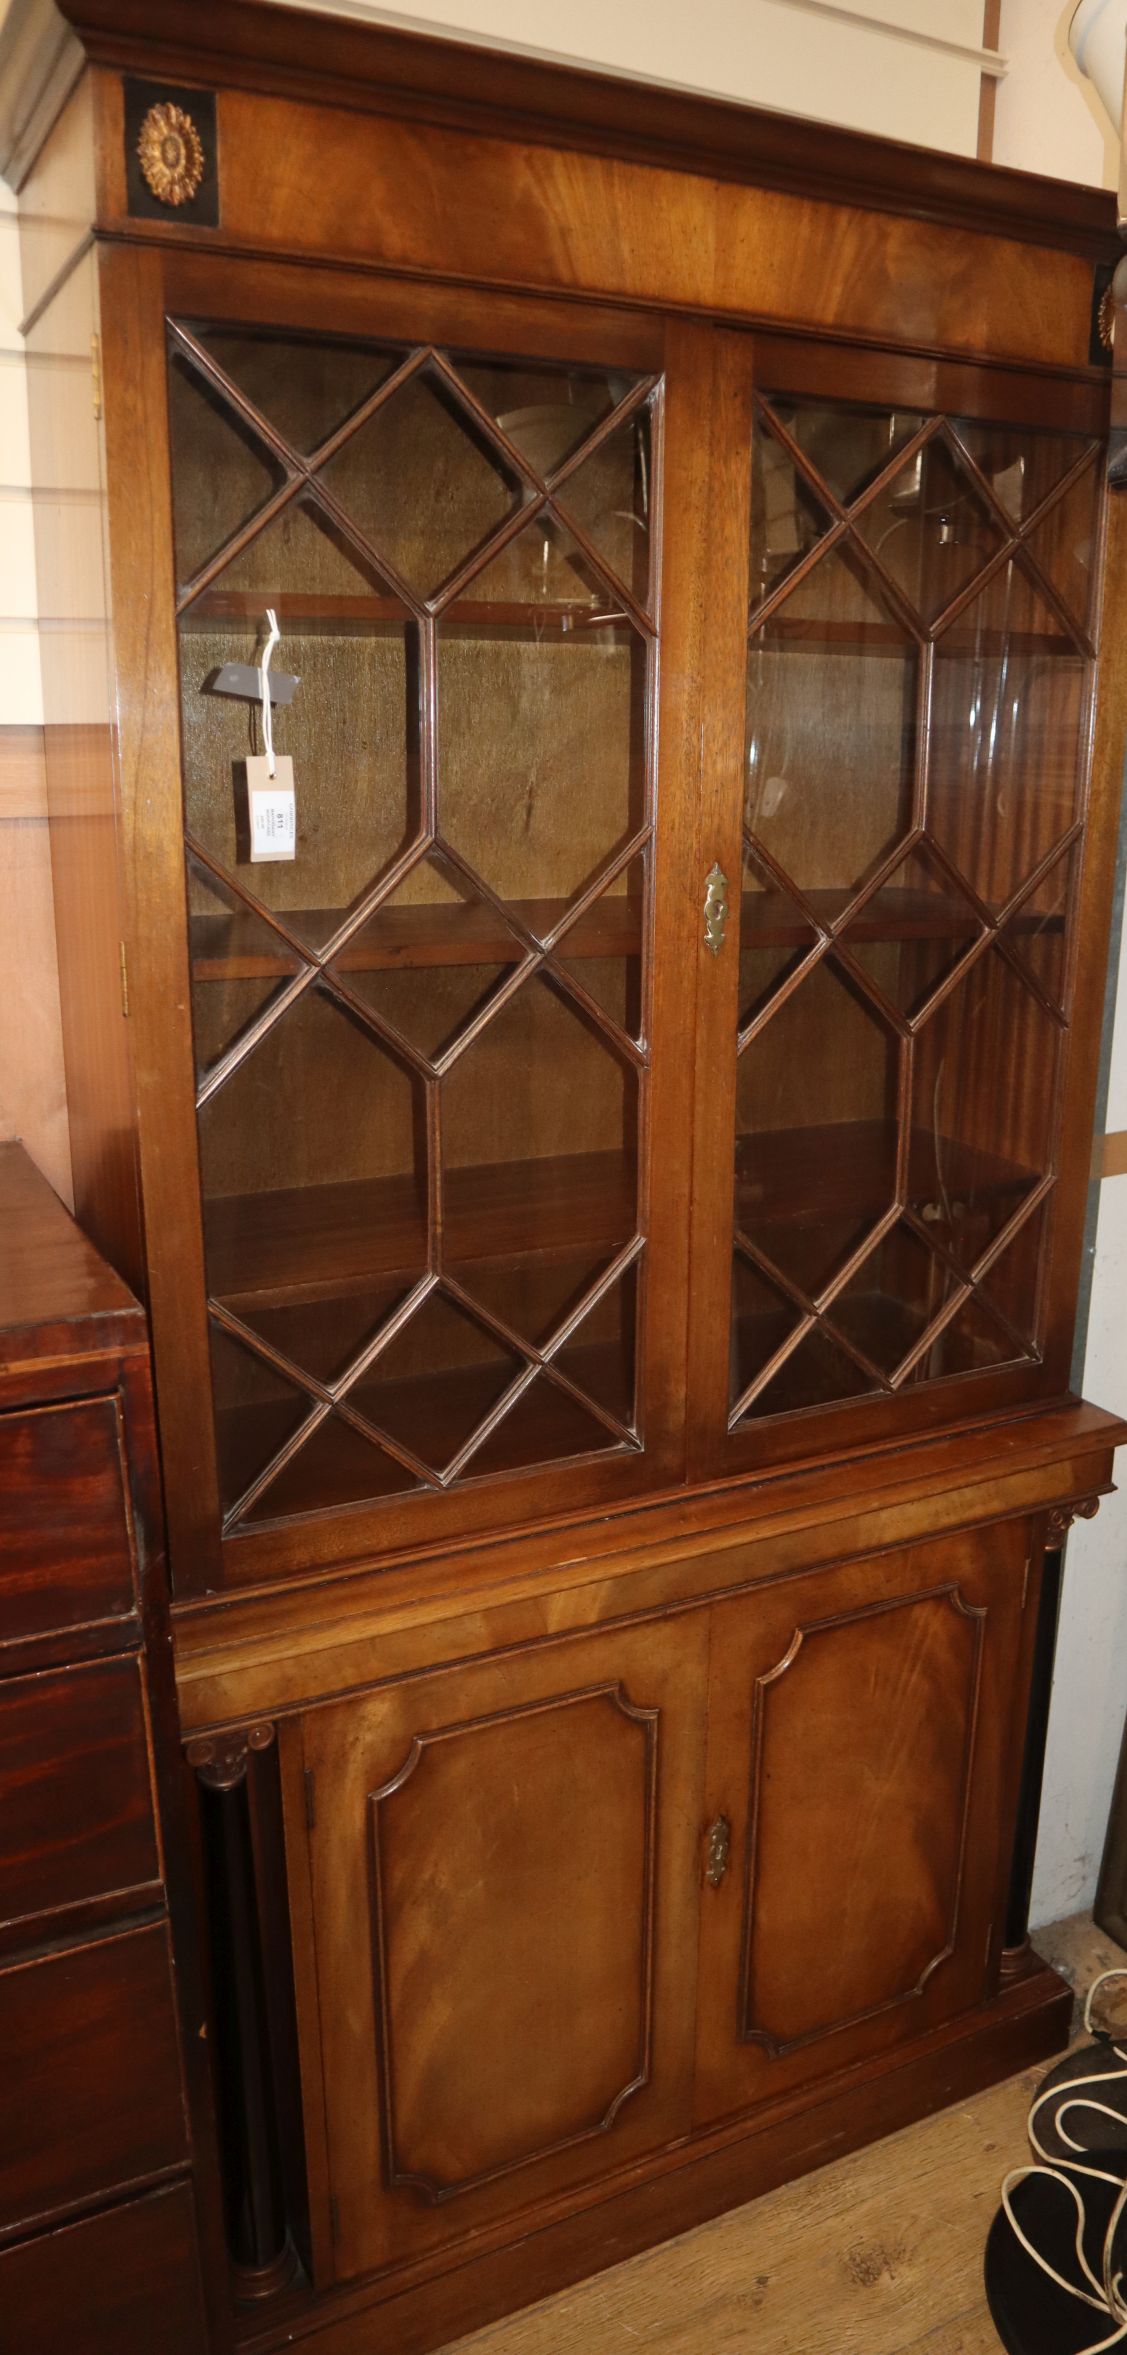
(90, 2095)
(66, 1554)
(76, 1811)
(125, 2283)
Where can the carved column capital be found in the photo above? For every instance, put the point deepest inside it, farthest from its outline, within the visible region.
(1061, 1518)
(221, 1760)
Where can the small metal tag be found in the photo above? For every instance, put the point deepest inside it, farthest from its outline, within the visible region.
(245, 678)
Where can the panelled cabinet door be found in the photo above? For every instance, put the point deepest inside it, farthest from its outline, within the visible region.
(861, 1776)
(497, 1995)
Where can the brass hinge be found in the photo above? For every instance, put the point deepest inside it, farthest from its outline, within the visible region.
(124, 979)
(96, 372)
(1025, 1582)
(310, 1801)
(715, 909)
(334, 2217)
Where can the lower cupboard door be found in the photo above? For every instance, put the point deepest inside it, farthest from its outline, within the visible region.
(496, 1934)
(864, 1747)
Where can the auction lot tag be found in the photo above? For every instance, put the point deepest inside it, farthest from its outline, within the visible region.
(271, 809)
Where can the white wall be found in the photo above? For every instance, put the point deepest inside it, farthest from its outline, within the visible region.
(903, 67)
(1047, 115)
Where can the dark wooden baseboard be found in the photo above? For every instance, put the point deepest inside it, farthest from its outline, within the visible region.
(1028, 2022)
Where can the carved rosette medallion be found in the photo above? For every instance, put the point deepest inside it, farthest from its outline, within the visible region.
(170, 154)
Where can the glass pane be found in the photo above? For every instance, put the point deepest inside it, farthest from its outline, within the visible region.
(430, 958)
(762, 1319)
(787, 519)
(540, 800)
(535, 1297)
(1037, 931)
(888, 1305)
(1008, 712)
(972, 1342)
(421, 434)
(602, 951)
(222, 474)
(931, 529)
(599, 1357)
(983, 1107)
(817, 1373)
(438, 1378)
(848, 447)
(608, 496)
(257, 1413)
(544, 1426)
(325, 1336)
(304, 386)
(1021, 465)
(352, 735)
(816, 1128)
(313, 1168)
(336, 1465)
(541, 575)
(912, 932)
(775, 939)
(831, 720)
(1065, 543)
(546, 413)
(1011, 1290)
(240, 965)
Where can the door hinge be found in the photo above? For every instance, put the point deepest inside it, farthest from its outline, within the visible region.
(124, 969)
(96, 372)
(1025, 1581)
(334, 2217)
(310, 1801)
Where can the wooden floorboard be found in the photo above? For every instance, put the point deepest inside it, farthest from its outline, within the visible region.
(879, 2254)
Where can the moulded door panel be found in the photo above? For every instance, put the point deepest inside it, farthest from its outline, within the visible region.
(503, 1874)
(858, 1753)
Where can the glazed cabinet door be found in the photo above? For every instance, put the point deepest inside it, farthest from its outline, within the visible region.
(864, 1749)
(497, 1962)
(880, 1143)
(429, 898)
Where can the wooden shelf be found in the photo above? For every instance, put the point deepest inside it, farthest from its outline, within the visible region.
(231, 948)
(801, 634)
(310, 610)
(767, 921)
(843, 1170)
(292, 1244)
(276, 1248)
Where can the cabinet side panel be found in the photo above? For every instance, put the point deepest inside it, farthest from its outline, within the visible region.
(67, 470)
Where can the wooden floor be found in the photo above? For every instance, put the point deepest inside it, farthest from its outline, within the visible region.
(880, 2254)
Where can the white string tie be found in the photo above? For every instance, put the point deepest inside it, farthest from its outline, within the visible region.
(267, 715)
